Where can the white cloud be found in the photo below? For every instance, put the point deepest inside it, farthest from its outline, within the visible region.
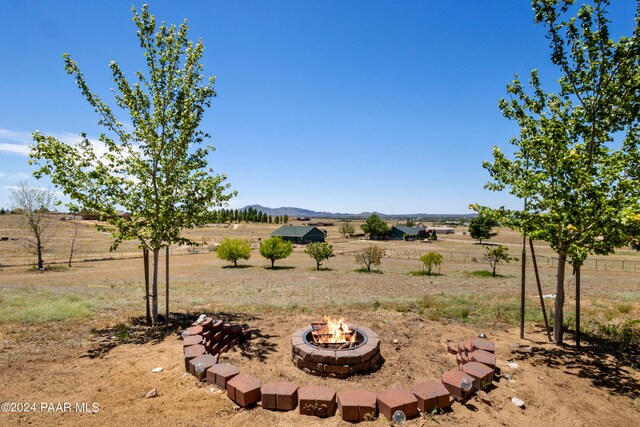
(22, 150)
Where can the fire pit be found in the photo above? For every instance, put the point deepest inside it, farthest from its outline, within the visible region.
(335, 349)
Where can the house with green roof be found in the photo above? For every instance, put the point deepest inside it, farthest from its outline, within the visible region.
(300, 234)
(398, 232)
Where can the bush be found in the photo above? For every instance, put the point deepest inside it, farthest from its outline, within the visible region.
(234, 249)
(274, 248)
(431, 260)
(370, 256)
(319, 251)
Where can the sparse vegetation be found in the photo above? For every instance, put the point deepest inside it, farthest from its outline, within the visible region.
(495, 255)
(346, 229)
(431, 260)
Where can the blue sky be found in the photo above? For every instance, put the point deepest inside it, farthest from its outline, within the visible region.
(343, 106)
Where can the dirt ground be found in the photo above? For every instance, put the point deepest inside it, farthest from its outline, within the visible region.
(559, 387)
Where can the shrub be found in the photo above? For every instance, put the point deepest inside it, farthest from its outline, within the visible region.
(370, 256)
(431, 260)
(319, 251)
(234, 249)
(274, 248)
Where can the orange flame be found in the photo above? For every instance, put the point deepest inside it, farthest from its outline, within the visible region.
(335, 331)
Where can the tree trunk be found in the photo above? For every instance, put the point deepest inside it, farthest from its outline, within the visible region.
(154, 288)
(145, 260)
(318, 265)
(578, 306)
(166, 320)
(273, 261)
(558, 318)
(39, 253)
(73, 241)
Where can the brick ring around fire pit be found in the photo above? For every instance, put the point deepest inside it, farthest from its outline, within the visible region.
(336, 363)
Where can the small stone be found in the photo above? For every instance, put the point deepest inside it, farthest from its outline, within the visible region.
(156, 370)
(518, 402)
(395, 341)
(507, 377)
(151, 393)
(513, 365)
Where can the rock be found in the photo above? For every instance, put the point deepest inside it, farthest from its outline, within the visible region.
(151, 393)
(156, 370)
(507, 377)
(395, 341)
(518, 402)
(513, 365)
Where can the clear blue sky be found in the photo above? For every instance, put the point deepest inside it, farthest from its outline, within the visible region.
(343, 106)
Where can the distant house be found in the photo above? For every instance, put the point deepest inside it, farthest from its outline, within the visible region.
(398, 232)
(300, 234)
(442, 230)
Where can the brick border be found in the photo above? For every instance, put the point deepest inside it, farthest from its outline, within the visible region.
(475, 358)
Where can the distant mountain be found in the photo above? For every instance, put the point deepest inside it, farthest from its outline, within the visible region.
(293, 212)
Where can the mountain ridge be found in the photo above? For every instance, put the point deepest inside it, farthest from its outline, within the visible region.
(294, 212)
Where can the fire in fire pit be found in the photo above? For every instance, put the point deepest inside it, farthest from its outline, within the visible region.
(333, 334)
(334, 348)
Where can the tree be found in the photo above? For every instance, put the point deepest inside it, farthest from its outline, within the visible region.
(375, 227)
(480, 227)
(76, 229)
(576, 159)
(233, 250)
(36, 223)
(346, 229)
(370, 256)
(153, 169)
(410, 222)
(285, 219)
(496, 254)
(430, 260)
(319, 251)
(274, 248)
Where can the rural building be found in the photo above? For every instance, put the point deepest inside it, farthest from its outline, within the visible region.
(398, 232)
(442, 230)
(300, 234)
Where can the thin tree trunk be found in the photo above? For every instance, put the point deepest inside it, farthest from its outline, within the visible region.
(558, 318)
(544, 309)
(154, 288)
(145, 257)
(167, 288)
(577, 306)
(73, 241)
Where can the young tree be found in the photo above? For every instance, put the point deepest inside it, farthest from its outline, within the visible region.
(274, 248)
(577, 154)
(495, 255)
(285, 219)
(370, 256)
(233, 250)
(319, 251)
(375, 227)
(431, 260)
(153, 169)
(480, 227)
(34, 205)
(346, 229)
(76, 229)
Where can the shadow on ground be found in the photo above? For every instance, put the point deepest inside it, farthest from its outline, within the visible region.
(136, 331)
(608, 365)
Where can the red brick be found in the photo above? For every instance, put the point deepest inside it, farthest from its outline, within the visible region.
(208, 361)
(226, 327)
(215, 348)
(482, 373)
(317, 400)
(484, 357)
(482, 344)
(246, 333)
(452, 347)
(244, 390)
(219, 374)
(206, 325)
(279, 395)
(431, 394)
(206, 335)
(452, 381)
(192, 340)
(468, 346)
(216, 326)
(194, 330)
(233, 342)
(356, 405)
(397, 399)
(191, 352)
(217, 337)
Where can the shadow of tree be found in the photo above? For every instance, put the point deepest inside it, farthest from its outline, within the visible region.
(606, 364)
(136, 331)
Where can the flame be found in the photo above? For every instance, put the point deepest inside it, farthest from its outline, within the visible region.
(335, 331)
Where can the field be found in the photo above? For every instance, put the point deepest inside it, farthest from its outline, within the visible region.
(73, 334)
